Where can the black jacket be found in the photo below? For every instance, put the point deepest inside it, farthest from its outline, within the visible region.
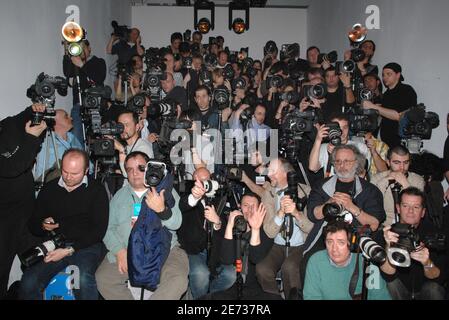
(82, 214)
(93, 73)
(367, 197)
(192, 236)
(18, 151)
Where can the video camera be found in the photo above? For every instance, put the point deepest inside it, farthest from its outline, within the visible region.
(417, 125)
(44, 91)
(121, 32)
(363, 121)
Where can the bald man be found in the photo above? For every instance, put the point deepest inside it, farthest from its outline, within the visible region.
(197, 219)
(78, 208)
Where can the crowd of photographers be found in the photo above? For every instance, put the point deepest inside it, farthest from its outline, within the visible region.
(290, 178)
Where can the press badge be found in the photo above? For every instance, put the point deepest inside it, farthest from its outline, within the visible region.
(136, 212)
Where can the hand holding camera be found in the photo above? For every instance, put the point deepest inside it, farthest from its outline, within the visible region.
(198, 190)
(156, 201)
(49, 224)
(345, 200)
(389, 236)
(232, 217)
(400, 178)
(211, 215)
(35, 130)
(57, 255)
(322, 132)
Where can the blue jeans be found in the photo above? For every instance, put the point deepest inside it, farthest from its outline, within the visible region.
(199, 276)
(36, 278)
(77, 123)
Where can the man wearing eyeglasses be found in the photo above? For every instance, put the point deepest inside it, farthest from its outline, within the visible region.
(399, 160)
(361, 200)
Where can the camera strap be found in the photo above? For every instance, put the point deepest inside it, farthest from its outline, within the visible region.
(355, 279)
(327, 174)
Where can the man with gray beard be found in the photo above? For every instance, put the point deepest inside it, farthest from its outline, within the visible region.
(361, 200)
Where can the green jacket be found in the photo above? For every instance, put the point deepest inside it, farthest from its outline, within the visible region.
(121, 211)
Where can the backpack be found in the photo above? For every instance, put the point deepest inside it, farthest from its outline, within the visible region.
(149, 243)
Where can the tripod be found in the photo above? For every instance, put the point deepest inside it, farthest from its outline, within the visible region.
(49, 135)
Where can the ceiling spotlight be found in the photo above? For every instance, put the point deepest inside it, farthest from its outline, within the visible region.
(239, 26)
(204, 25)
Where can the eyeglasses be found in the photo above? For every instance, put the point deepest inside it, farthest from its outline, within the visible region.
(343, 162)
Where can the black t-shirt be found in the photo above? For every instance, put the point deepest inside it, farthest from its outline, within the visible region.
(345, 187)
(334, 103)
(400, 98)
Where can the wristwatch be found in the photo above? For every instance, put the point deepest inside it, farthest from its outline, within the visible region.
(72, 251)
(429, 265)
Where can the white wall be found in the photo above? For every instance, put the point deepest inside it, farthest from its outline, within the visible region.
(157, 23)
(412, 33)
(31, 42)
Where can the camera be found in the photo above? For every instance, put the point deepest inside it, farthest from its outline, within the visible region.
(289, 51)
(206, 78)
(270, 48)
(36, 254)
(211, 187)
(239, 83)
(228, 72)
(418, 123)
(331, 57)
(334, 135)
(363, 121)
(372, 251)
(48, 116)
(111, 129)
(347, 66)
(124, 70)
(187, 35)
(291, 97)
(357, 55)
(334, 211)
(121, 32)
(95, 97)
(318, 91)
(275, 81)
(102, 148)
(240, 225)
(163, 109)
(221, 97)
(155, 172)
(137, 103)
(299, 122)
(187, 62)
(211, 60)
(292, 191)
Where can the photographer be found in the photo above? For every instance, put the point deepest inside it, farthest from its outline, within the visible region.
(169, 60)
(77, 207)
(397, 99)
(206, 274)
(319, 156)
(399, 160)
(134, 87)
(361, 199)
(91, 71)
(175, 42)
(373, 83)
(339, 92)
(209, 114)
(126, 45)
(19, 145)
(424, 278)
(64, 140)
(125, 207)
(172, 92)
(329, 272)
(286, 252)
(131, 136)
(255, 246)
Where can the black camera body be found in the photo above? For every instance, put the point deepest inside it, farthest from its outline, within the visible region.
(289, 51)
(318, 91)
(275, 81)
(221, 97)
(95, 97)
(121, 32)
(292, 191)
(363, 121)
(137, 103)
(228, 72)
(240, 226)
(416, 122)
(291, 97)
(331, 57)
(36, 254)
(155, 172)
(334, 136)
(334, 211)
(102, 148)
(298, 122)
